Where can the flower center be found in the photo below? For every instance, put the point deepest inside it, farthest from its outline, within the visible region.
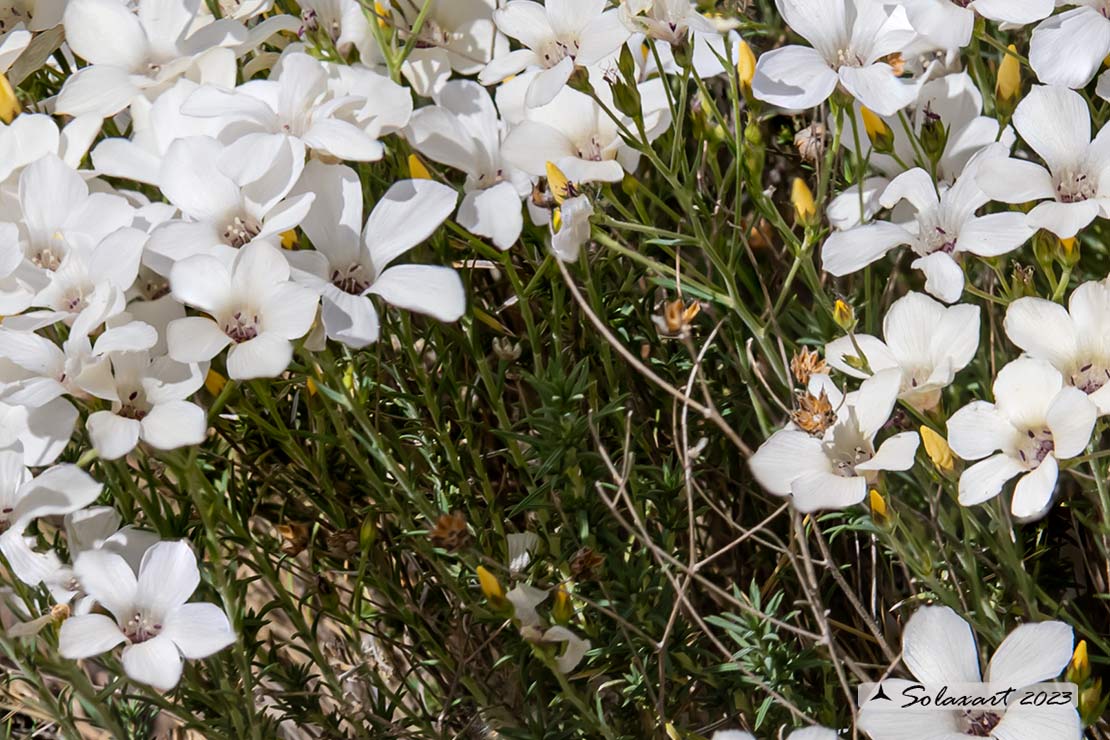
(353, 280)
(134, 406)
(556, 51)
(241, 231)
(591, 149)
(47, 259)
(979, 724)
(940, 240)
(432, 35)
(140, 628)
(242, 326)
(845, 461)
(848, 58)
(1090, 377)
(1074, 187)
(1036, 446)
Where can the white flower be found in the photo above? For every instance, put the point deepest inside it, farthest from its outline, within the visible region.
(557, 37)
(251, 305)
(345, 269)
(130, 53)
(1075, 188)
(948, 23)
(520, 547)
(953, 101)
(577, 136)
(1035, 421)
(232, 196)
(926, 341)
(938, 648)
(667, 20)
(462, 130)
(1075, 341)
(148, 402)
(572, 228)
(1068, 49)
(151, 614)
(833, 470)
(850, 39)
(345, 23)
(943, 227)
(457, 36)
(23, 498)
(298, 103)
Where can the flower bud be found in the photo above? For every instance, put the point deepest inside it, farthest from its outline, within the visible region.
(1045, 247)
(843, 315)
(9, 103)
(936, 447)
(1079, 670)
(1008, 87)
(879, 511)
(214, 382)
(745, 68)
(417, 170)
(882, 138)
(491, 588)
(933, 136)
(563, 610)
(1068, 252)
(805, 209)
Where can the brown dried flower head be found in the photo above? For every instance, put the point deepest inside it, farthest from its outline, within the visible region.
(805, 364)
(814, 414)
(677, 317)
(810, 142)
(586, 563)
(450, 532)
(294, 537)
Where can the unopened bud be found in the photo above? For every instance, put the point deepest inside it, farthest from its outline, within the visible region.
(933, 136)
(882, 138)
(1008, 87)
(805, 209)
(745, 68)
(491, 588)
(1079, 670)
(936, 447)
(879, 511)
(843, 315)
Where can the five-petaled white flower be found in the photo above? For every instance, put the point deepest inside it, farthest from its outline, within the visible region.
(1034, 422)
(939, 649)
(150, 613)
(948, 23)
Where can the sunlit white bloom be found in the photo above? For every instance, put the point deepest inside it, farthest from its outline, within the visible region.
(939, 649)
(231, 196)
(577, 136)
(345, 269)
(948, 23)
(833, 469)
(24, 498)
(1035, 421)
(666, 20)
(32, 136)
(1068, 49)
(457, 36)
(95, 528)
(952, 101)
(1075, 341)
(135, 53)
(927, 342)
(850, 41)
(42, 431)
(297, 103)
(557, 36)
(151, 616)
(943, 227)
(463, 131)
(251, 305)
(1074, 184)
(148, 403)
(571, 229)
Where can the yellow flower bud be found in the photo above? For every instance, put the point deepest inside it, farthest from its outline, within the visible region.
(9, 103)
(311, 385)
(882, 138)
(558, 183)
(936, 447)
(417, 170)
(289, 239)
(563, 610)
(805, 209)
(556, 220)
(843, 315)
(1008, 87)
(214, 382)
(1069, 251)
(1079, 670)
(745, 67)
(879, 511)
(491, 587)
(381, 13)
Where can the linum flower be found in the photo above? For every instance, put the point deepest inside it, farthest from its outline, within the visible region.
(345, 269)
(229, 203)
(297, 103)
(24, 498)
(148, 403)
(251, 304)
(939, 649)
(667, 20)
(941, 230)
(955, 101)
(456, 36)
(1034, 422)
(133, 53)
(1068, 49)
(831, 466)
(926, 341)
(1075, 341)
(462, 130)
(151, 616)
(570, 227)
(949, 23)
(557, 36)
(851, 39)
(1074, 189)
(524, 600)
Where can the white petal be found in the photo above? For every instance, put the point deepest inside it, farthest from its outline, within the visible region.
(174, 424)
(88, 635)
(844, 210)
(525, 21)
(112, 436)
(105, 32)
(943, 277)
(1044, 330)
(601, 38)
(876, 353)
(1055, 122)
(343, 140)
(939, 647)
(785, 456)
(195, 339)
(98, 90)
(168, 576)
(1039, 723)
(155, 662)
(435, 291)
(877, 87)
(1071, 418)
(794, 78)
(896, 453)
(875, 400)
(1019, 12)
(265, 356)
(994, 234)
(334, 221)
(350, 319)
(1068, 49)
(1014, 180)
(1025, 389)
(984, 480)
(848, 251)
(1065, 220)
(495, 213)
(1033, 492)
(819, 491)
(408, 213)
(915, 186)
(547, 84)
(198, 630)
(201, 281)
(1032, 653)
(108, 579)
(289, 311)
